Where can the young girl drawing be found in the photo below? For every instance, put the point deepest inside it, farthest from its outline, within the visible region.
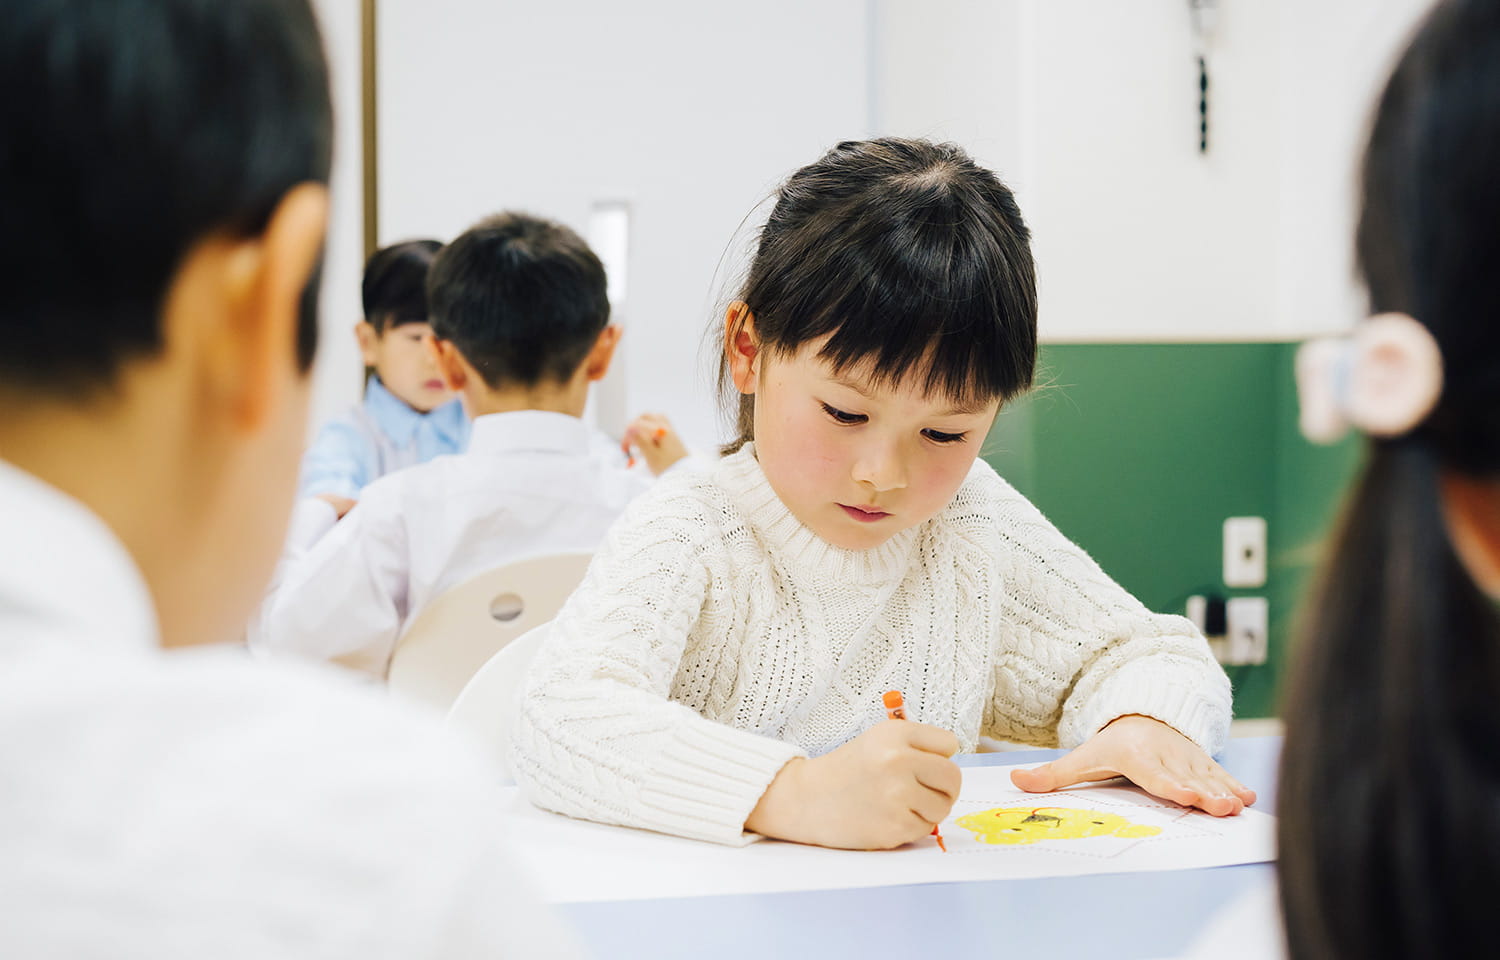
(719, 672)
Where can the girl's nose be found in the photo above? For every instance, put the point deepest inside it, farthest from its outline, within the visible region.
(881, 468)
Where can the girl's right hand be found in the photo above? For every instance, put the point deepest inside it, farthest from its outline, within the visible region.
(888, 786)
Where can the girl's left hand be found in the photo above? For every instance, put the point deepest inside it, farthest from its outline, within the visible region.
(1151, 755)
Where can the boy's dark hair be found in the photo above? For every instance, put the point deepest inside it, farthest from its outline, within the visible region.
(522, 298)
(395, 284)
(1390, 779)
(132, 130)
(912, 256)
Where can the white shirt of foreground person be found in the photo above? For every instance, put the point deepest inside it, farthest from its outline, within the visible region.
(194, 804)
(532, 482)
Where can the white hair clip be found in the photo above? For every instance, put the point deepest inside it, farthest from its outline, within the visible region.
(1382, 379)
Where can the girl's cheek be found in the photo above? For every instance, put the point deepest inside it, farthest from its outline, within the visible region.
(952, 470)
(812, 441)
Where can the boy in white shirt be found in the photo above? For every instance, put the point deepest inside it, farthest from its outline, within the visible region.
(164, 186)
(520, 322)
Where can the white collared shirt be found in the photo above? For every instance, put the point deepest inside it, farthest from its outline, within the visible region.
(193, 804)
(531, 483)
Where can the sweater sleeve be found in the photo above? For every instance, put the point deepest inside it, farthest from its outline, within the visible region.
(1077, 651)
(598, 736)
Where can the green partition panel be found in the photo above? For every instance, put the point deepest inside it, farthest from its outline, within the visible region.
(1139, 451)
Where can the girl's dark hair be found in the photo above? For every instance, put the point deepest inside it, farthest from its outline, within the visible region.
(913, 257)
(394, 290)
(1390, 778)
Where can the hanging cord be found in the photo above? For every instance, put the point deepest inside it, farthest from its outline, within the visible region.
(1202, 104)
(1204, 15)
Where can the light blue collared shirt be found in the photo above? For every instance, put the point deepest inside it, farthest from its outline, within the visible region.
(377, 437)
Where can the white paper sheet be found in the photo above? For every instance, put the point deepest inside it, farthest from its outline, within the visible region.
(573, 860)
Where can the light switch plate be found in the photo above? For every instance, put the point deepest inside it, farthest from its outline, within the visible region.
(1245, 552)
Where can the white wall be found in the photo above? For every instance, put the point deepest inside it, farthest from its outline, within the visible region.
(1137, 234)
(338, 375)
(688, 111)
(1335, 60)
(691, 112)
(952, 70)
(1089, 110)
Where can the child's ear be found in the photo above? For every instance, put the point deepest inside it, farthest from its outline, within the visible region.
(262, 281)
(450, 362)
(596, 364)
(368, 339)
(741, 346)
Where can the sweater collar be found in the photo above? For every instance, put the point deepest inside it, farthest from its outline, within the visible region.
(740, 475)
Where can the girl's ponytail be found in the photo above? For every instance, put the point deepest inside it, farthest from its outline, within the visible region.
(1390, 783)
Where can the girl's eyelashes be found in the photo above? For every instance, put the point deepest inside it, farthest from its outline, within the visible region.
(842, 416)
(849, 419)
(937, 436)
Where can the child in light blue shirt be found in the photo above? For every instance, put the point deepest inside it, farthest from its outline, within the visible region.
(408, 415)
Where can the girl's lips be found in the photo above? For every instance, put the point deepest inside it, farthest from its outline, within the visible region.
(864, 514)
(435, 385)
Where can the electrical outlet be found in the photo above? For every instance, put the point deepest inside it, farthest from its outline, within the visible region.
(1249, 630)
(1245, 552)
(1197, 611)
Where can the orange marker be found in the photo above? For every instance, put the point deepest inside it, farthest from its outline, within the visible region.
(895, 709)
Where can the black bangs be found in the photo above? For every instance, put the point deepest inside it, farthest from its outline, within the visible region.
(394, 290)
(911, 259)
(926, 274)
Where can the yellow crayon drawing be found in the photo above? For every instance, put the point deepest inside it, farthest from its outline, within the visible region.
(1020, 825)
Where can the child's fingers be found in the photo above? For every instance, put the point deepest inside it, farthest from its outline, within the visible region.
(647, 423)
(1062, 772)
(1169, 787)
(1215, 804)
(1191, 786)
(939, 775)
(1218, 795)
(1244, 793)
(924, 736)
(931, 807)
(1210, 772)
(919, 827)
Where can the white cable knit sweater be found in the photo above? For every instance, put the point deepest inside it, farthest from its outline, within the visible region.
(715, 638)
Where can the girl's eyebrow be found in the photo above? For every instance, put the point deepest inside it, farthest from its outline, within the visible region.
(845, 382)
(959, 409)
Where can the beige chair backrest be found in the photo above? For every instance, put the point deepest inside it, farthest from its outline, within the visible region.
(455, 634)
(486, 709)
